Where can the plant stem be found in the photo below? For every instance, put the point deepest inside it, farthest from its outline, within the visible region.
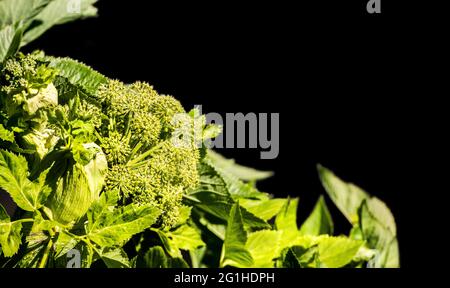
(144, 155)
(24, 220)
(191, 198)
(44, 258)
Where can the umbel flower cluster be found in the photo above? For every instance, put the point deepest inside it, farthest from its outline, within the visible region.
(145, 165)
(131, 125)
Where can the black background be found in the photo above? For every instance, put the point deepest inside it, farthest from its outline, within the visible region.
(338, 76)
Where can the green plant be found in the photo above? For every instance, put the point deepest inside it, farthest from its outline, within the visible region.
(120, 174)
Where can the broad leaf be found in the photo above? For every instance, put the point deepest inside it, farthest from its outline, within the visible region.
(153, 258)
(64, 244)
(300, 257)
(78, 74)
(26, 194)
(335, 252)
(10, 38)
(319, 222)
(15, 11)
(346, 196)
(220, 207)
(156, 258)
(185, 214)
(6, 135)
(171, 249)
(234, 252)
(115, 258)
(116, 227)
(239, 171)
(185, 238)
(263, 209)
(59, 12)
(216, 229)
(100, 208)
(22, 21)
(286, 222)
(213, 196)
(264, 247)
(378, 230)
(382, 213)
(86, 254)
(10, 236)
(33, 251)
(234, 186)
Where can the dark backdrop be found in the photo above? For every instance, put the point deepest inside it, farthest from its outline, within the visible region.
(334, 73)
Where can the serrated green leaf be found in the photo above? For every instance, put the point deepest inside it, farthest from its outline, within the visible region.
(346, 196)
(10, 234)
(31, 257)
(213, 196)
(170, 249)
(6, 135)
(156, 258)
(300, 257)
(185, 214)
(234, 252)
(382, 213)
(216, 229)
(10, 38)
(377, 229)
(22, 21)
(308, 258)
(33, 251)
(288, 259)
(87, 256)
(63, 244)
(264, 247)
(234, 186)
(115, 227)
(115, 258)
(185, 238)
(13, 179)
(236, 170)
(220, 207)
(263, 209)
(58, 12)
(286, 222)
(335, 252)
(197, 257)
(78, 74)
(319, 222)
(100, 208)
(153, 258)
(15, 11)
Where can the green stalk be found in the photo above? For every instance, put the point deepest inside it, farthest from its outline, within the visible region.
(27, 220)
(144, 155)
(44, 258)
(191, 198)
(135, 149)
